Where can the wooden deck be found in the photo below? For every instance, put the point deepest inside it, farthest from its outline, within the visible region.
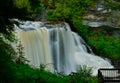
(109, 75)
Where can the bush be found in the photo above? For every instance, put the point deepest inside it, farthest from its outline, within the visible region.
(83, 75)
(105, 45)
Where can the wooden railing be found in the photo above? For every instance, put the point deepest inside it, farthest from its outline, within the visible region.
(109, 75)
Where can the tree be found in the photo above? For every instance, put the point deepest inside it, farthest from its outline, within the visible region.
(8, 10)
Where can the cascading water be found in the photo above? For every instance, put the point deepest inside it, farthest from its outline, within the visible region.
(57, 47)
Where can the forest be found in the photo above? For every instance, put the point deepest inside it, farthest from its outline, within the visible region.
(103, 40)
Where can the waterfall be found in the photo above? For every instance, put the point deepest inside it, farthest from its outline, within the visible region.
(57, 47)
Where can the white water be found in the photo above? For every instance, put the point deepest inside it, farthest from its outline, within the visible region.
(57, 47)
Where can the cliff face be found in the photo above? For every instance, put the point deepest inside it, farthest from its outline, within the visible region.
(104, 15)
(115, 16)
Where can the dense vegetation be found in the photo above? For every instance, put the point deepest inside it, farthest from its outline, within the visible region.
(70, 11)
(105, 42)
(14, 70)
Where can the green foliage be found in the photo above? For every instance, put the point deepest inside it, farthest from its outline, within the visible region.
(36, 5)
(15, 8)
(6, 63)
(26, 74)
(83, 75)
(20, 54)
(105, 45)
(9, 10)
(22, 4)
(72, 10)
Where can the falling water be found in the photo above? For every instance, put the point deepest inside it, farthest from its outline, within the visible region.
(57, 47)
